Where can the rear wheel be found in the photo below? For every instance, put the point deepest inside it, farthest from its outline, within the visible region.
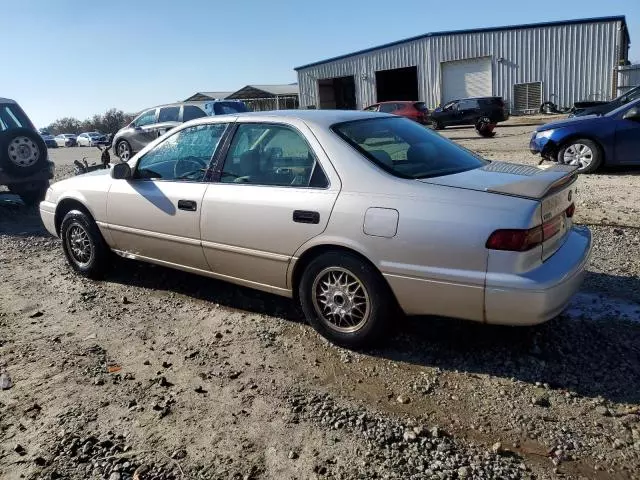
(582, 153)
(30, 193)
(83, 245)
(345, 299)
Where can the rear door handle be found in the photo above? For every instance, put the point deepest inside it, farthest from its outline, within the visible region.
(306, 216)
(188, 205)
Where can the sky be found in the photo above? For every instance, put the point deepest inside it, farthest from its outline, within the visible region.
(77, 57)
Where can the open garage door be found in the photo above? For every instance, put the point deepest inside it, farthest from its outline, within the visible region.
(467, 78)
(397, 84)
(337, 93)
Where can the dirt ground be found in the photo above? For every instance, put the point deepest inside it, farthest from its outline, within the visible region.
(155, 373)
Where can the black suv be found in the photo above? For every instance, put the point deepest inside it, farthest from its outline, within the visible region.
(24, 163)
(601, 108)
(470, 111)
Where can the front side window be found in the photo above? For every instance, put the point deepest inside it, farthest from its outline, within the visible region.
(406, 149)
(268, 154)
(147, 118)
(168, 114)
(185, 155)
(449, 107)
(468, 105)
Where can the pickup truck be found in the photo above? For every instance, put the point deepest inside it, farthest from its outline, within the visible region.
(25, 168)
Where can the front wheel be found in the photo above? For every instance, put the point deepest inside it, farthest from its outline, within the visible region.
(436, 125)
(582, 153)
(345, 299)
(83, 245)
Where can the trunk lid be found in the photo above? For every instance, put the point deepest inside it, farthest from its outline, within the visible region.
(554, 188)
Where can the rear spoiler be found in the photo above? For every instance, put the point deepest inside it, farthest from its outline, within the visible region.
(539, 182)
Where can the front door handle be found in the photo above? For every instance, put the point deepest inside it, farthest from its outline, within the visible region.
(306, 216)
(188, 205)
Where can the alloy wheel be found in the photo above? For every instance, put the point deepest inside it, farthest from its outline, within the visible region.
(79, 245)
(579, 155)
(341, 300)
(123, 151)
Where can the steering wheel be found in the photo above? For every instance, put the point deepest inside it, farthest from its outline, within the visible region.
(187, 166)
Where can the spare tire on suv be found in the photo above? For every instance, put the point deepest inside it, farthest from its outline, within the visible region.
(22, 151)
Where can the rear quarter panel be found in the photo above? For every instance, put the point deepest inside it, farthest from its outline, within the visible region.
(436, 262)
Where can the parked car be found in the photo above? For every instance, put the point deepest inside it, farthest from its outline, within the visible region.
(470, 111)
(156, 121)
(351, 213)
(49, 140)
(24, 164)
(582, 109)
(416, 111)
(592, 141)
(66, 140)
(91, 139)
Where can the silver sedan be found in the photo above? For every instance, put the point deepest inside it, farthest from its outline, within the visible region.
(353, 214)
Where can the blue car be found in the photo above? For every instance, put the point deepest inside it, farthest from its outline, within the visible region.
(592, 141)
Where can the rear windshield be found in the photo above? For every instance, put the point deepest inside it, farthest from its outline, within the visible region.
(12, 116)
(406, 149)
(222, 108)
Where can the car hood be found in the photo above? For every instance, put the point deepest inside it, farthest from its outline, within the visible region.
(568, 122)
(509, 179)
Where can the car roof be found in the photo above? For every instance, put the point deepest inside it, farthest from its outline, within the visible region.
(7, 100)
(319, 118)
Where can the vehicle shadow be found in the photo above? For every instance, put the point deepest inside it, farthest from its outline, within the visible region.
(18, 220)
(592, 357)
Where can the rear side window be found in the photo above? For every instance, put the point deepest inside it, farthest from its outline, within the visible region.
(168, 114)
(468, 105)
(226, 108)
(406, 149)
(388, 107)
(11, 116)
(191, 111)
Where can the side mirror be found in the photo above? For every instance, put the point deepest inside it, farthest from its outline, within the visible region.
(632, 114)
(121, 171)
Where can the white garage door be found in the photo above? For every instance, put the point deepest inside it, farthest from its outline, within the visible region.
(466, 78)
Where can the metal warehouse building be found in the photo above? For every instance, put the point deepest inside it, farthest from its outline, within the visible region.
(560, 62)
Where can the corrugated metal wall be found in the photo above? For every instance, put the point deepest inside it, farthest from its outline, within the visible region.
(574, 62)
(628, 77)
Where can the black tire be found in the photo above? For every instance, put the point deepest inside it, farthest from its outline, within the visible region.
(22, 152)
(30, 193)
(483, 127)
(121, 147)
(548, 108)
(597, 155)
(379, 306)
(436, 125)
(94, 265)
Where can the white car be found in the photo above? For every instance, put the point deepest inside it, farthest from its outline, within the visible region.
(91, 139)
(66, 140)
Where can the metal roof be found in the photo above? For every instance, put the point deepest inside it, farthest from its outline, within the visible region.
(199, 96)
(266, 91)
(619, 18)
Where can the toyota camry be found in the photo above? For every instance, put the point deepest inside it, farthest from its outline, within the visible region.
(355, 215)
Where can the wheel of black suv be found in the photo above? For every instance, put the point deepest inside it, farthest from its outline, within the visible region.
(345, 299)
(30, 193)
(22, 151)
(83, 245)
(436, 125)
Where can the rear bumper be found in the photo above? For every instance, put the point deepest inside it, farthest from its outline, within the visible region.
(40, 176)
(48, 214)
(543, 293)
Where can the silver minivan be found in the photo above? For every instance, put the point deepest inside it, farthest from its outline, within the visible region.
(156, 121)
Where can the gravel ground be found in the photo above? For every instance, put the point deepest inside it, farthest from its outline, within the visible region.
(158, 374)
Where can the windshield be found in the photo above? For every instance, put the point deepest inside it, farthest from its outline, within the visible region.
(406, 149)
(95, 134)
(224, 108)
(625, 107)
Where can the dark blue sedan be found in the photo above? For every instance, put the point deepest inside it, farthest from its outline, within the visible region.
(591, 141)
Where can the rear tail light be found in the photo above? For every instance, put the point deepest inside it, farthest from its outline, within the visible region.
(522, 240)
